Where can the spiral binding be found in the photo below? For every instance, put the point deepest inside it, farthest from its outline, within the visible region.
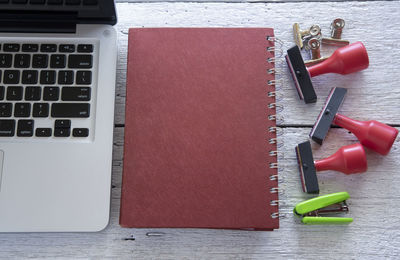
(275, 178)
(274, 49)
(277, 51)
(274, 129)
(278, 215)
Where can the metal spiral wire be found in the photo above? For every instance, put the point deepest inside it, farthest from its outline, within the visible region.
(277, 52)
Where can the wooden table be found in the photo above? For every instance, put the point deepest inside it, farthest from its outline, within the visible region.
(372, 94)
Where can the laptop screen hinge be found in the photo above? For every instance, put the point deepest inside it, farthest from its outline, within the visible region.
(38, 22)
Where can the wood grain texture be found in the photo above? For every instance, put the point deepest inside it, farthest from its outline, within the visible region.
(373, 235)
(374, 195)
(373, 93)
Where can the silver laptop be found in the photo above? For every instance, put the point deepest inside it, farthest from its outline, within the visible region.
(57, 89)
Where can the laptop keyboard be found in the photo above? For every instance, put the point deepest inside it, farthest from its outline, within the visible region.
(46, 89)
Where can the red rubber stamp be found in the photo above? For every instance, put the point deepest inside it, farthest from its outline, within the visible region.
(348, 159)
(372, 134)
(345, 60)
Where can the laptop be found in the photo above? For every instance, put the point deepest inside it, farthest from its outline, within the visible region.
(57, 89)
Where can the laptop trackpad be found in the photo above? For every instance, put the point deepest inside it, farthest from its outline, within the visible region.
(1, 165)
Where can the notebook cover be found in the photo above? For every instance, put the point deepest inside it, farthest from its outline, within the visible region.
(196, 130)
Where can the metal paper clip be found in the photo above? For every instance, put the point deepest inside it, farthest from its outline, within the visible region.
(336, 34)
(311, 210)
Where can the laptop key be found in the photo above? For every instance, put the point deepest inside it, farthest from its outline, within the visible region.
(29, 77)
(47, 77)
(62, 132)
(48, 48)
(14, 93)
(40, 110)
(62, 123)
(30, 47)
(67, 48)
(25, 128)
(2, 92)
(22, 60)
(5, 60)
(7, 127)
(5, 109)
(87, 48)
(80, 61)
(33, 93)
(84, 77)
(40, 61)
(70, 110)
(57, 61)
(43, 132)
(11, 77)
(80, 132)
(11, 47)
(65, 77)
(75, 94)
(51, 93)
(22, 109)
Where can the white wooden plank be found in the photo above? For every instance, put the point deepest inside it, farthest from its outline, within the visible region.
(373, 93)
(373, 235)
(374, 195)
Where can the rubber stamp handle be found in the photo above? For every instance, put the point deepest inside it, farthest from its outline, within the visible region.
(348, 159)
(372, 134)
(345, 60)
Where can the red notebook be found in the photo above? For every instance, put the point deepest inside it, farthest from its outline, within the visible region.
(200, 129)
